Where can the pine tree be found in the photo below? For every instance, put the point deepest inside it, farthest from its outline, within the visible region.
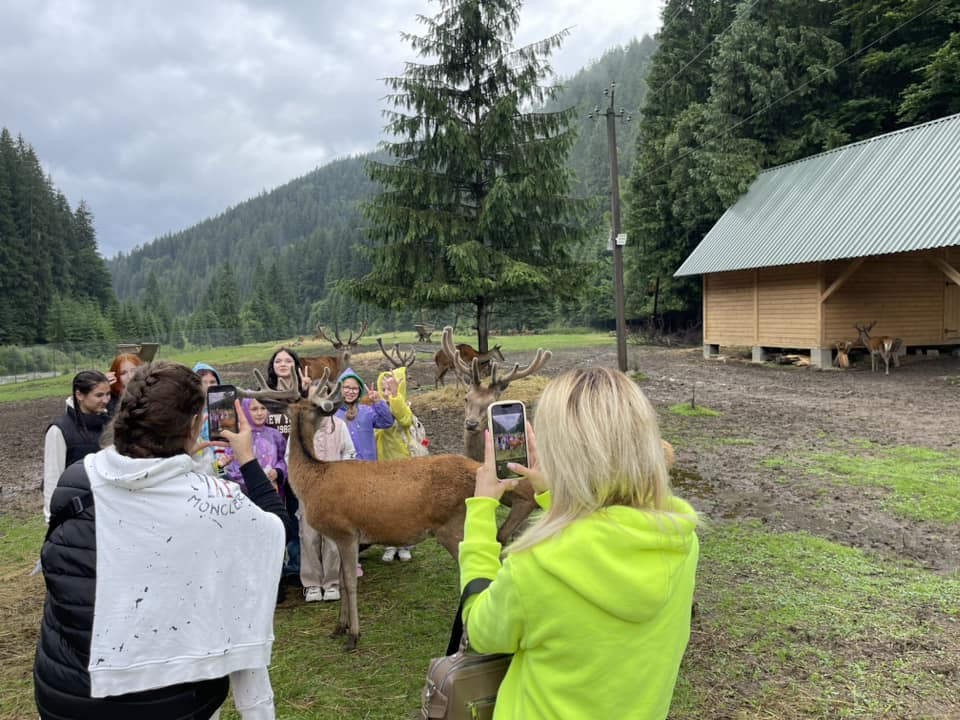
(475, 206)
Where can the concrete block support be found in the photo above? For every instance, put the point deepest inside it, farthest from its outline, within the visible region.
(710, 351)
(821, 357)
(759, 354)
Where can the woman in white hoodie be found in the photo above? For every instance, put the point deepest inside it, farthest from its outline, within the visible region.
(160, 579)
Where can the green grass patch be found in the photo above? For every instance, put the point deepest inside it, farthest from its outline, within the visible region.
(688, 410)
(923, 484)
(793, 626)
(638, 376)
(920, 484)
(787, 625)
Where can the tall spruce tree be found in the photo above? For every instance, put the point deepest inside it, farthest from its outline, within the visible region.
(475, 206)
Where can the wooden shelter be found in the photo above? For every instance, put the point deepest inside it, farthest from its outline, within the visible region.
(867, 232)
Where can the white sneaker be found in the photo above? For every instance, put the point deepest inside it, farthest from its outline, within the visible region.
(389, 554)
(404, 555)
(313, 594)
(331, 594)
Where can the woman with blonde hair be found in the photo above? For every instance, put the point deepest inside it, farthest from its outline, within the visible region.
(593, 601)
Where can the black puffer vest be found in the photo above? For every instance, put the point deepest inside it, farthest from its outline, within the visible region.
(80, 442)
(60, 676)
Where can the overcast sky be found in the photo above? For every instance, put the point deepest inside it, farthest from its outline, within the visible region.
(161, 114)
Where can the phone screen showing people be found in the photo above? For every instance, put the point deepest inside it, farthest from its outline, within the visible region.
(221, 411)
(508, 428)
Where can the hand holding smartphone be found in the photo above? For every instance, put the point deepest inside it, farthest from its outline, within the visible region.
(507, 422)
(221, 410)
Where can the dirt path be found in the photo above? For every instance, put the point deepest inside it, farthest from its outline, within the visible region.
(766, 412)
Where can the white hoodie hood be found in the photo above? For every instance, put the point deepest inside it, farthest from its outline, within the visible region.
(187, 570)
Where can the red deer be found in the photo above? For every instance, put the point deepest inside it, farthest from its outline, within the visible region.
(395, 502)
(336, 363)
(479, 397)
(399, 359)
(883, 347)
(444, 360)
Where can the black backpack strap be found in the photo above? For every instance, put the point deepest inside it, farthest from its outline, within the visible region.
(77, 504)
(473, 587)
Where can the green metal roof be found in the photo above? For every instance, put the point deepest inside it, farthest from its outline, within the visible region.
(892, 193)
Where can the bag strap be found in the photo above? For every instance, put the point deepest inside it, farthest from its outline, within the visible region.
(77, 504)
(473, 587)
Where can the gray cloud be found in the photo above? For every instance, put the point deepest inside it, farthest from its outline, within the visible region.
(160, 115)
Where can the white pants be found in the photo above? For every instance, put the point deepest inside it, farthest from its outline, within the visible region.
(319, 558)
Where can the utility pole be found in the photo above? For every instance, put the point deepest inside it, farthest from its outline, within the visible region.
(617, 239)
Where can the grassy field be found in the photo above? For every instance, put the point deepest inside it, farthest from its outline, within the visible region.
(786, 626)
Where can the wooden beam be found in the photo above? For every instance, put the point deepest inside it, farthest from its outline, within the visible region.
(844, 276)
(946, 268)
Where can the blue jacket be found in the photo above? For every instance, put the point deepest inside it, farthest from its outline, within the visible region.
(376, 415)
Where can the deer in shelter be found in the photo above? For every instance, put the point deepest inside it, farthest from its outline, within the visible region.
(883, 347)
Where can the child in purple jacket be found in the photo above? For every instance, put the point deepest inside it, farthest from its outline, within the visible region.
(362, 419)
(269, 447)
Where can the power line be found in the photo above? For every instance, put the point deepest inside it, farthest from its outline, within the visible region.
(793, 91)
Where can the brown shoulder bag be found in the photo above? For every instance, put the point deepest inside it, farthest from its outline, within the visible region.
(463, 684)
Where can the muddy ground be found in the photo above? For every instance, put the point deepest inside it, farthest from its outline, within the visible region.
(766, 412)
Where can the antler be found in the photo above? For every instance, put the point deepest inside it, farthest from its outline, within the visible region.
(323, 393)
(539, 360)
(467, 373)
(263, 392)
(354, 342)
(398, 359)
(321, 335)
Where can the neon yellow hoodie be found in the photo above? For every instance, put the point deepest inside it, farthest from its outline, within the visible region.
(392, 442)
(598, 617)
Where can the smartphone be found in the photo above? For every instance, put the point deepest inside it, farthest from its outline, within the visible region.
(221, 411)
(507, 420)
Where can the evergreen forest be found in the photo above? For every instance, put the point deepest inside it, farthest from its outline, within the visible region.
(724, 90)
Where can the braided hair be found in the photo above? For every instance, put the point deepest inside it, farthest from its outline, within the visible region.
(159, 407)
(84, 383)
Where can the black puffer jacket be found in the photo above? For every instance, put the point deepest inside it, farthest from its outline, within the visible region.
(69, 557)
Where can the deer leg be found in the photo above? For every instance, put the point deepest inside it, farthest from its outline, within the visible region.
(450, 533)
(349, 621)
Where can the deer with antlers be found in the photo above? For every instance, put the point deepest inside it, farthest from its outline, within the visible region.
(883, 347)
(337, 362)
(398, 359)
(395, 502)
(478, 399)
(351, 343)
(444, 360)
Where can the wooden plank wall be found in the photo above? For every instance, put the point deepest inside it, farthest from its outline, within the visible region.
(788, 298)
(904, 293)
(779, 307)
(728, 308)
